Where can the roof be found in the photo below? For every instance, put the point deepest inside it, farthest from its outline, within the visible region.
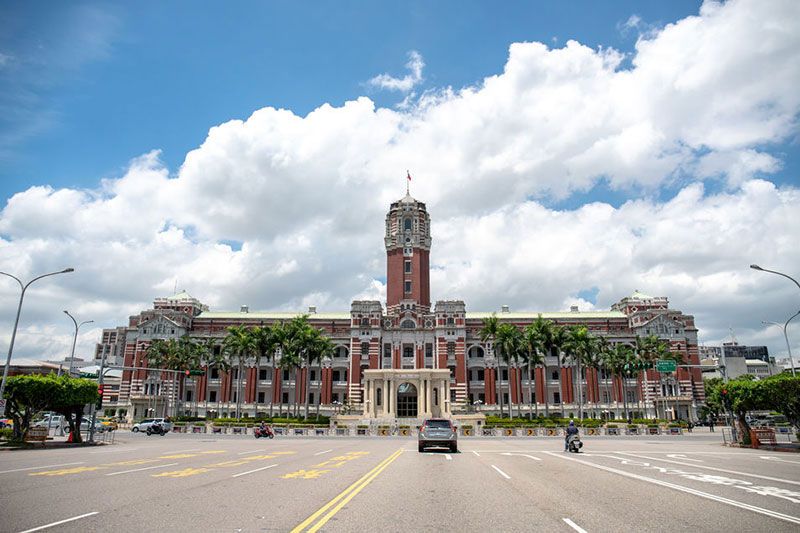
(270, 315)
(521, 315)
(183, 295)
(639, 296)
(22, 362)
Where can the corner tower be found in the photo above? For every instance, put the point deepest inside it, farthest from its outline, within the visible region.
(408, 248)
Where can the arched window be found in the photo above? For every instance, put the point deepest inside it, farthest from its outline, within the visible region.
(407, 324)
(407, 224)
(378, 397)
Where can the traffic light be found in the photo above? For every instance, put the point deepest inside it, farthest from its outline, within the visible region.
(99, 403)
(726, 399)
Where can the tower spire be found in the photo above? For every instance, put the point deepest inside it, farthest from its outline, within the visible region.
(408, 182)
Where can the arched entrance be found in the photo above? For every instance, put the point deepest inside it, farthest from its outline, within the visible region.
(406, 401)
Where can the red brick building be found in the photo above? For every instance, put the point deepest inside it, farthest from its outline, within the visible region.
(408, 334)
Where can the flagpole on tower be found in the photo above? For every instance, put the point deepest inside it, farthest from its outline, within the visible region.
(408, 182)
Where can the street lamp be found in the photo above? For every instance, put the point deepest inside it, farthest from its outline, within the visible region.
(24, 287)
(74, 339)
(785, 336)
(756, 267)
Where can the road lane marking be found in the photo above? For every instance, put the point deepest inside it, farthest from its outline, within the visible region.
(476, 453)
(522, 455)
(574, 526)
(140, 469)
(252, 471)
(60, 522)
(132, 462)
(186, 472)
(770, 458)
(501, 472)
(447, 455)
(185, 451)
(207, 452)
(326, 451)
(116, 451)
(247, 453)
(768, 478)
(681, 456)
(178, 456)
(345, 496)
(682, 488)
(65, 471)
(40, 467)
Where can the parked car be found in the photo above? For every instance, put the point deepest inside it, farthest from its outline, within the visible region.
(85, 424)
(147, 422)
(438, 432)
(50, 421)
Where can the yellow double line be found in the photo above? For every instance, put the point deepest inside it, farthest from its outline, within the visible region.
(335, 505)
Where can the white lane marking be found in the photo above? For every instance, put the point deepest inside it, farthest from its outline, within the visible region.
(40, 467)
(522, 455)
(326, 451)
(247, 453)
(252, 471)
(60, 522)
(574, 526)
(501, 472)
(681, 456)
(759, 476)
(116, 451)
(682, 488)
(448, 457)
(140, 469)
(770, 458)
(476, 453)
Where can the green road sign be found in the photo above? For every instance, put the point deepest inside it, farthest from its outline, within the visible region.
(197, 373)
(88, 375)
(666, 365)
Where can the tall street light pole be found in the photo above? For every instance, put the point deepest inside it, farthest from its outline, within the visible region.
(785, 336)
(74, 339)
(24, 287)
(756, 267)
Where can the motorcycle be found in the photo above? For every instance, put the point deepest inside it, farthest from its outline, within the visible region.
(266, 432)
(156, 428)
(574, 444)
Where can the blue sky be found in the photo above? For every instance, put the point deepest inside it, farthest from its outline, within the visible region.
(94, 84)
(568, 152)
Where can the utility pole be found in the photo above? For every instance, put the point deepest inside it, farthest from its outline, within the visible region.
(100, 377)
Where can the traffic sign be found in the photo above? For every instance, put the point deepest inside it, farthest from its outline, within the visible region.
(666, 365)
(88, 375)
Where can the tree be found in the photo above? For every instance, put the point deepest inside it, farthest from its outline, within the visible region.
(26, 396)
(510, 350)
(713, 405)
(783, 394)
(239, 345)
(70, 398)
(488, 333)
(557, 344)
(619, 362)
(177, 355)
(266, 341)
(579, 346)
(604, 350)
(533, 348)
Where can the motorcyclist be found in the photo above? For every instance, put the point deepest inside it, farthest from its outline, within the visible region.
(571, 430)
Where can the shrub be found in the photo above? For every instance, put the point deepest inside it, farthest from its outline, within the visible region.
(6, 433)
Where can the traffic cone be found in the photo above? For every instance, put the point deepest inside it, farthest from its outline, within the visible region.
(69, 438)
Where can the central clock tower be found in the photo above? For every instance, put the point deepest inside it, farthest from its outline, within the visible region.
(408, 248)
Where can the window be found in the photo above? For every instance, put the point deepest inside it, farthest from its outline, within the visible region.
(407, 224)
(285, 398)
(285, 375)
(235, 395)
(335, 397)
(554, 375)
(480, 374)
(212, 396)
(378, 396)
(556, 398)
(364, 349)
(313, 375)
(408, 266)
(504, 373)
(429, 350)
(408, 287)
(451, 349)
(188, 396)
(452, 372)
(336, 375)
(262, 374)
(365, 321)
(387, 350)
(435, 396)
(450, 321)
(311, 398)
(408, 351)
(261, 397)
(407, 324)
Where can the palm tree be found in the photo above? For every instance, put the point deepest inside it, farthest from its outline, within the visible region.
(176, 356)
(216, 359)
(239, 345)
(509, 344)
(579, 346)
(488, 333)
(319, 347)
(604, 349)
(202, 354)
(266, 340)
(325, 349)
(619, 363)
(291, 339)
(558, 343)
(533, 342)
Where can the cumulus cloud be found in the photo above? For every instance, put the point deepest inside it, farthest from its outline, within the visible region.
(415, 65)
(705, 99)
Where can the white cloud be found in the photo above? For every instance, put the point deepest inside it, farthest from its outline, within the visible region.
(307, 196)
(406, 83)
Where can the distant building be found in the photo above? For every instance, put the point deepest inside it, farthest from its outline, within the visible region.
(739, 360)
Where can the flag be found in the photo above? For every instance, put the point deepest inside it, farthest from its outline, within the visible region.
(408, 175)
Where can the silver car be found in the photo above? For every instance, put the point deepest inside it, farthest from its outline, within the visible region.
(147, 422)
(439, 432)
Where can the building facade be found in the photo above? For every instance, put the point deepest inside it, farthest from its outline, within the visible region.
(408, 359)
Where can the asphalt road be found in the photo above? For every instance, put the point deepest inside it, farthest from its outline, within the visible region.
(236, 483)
